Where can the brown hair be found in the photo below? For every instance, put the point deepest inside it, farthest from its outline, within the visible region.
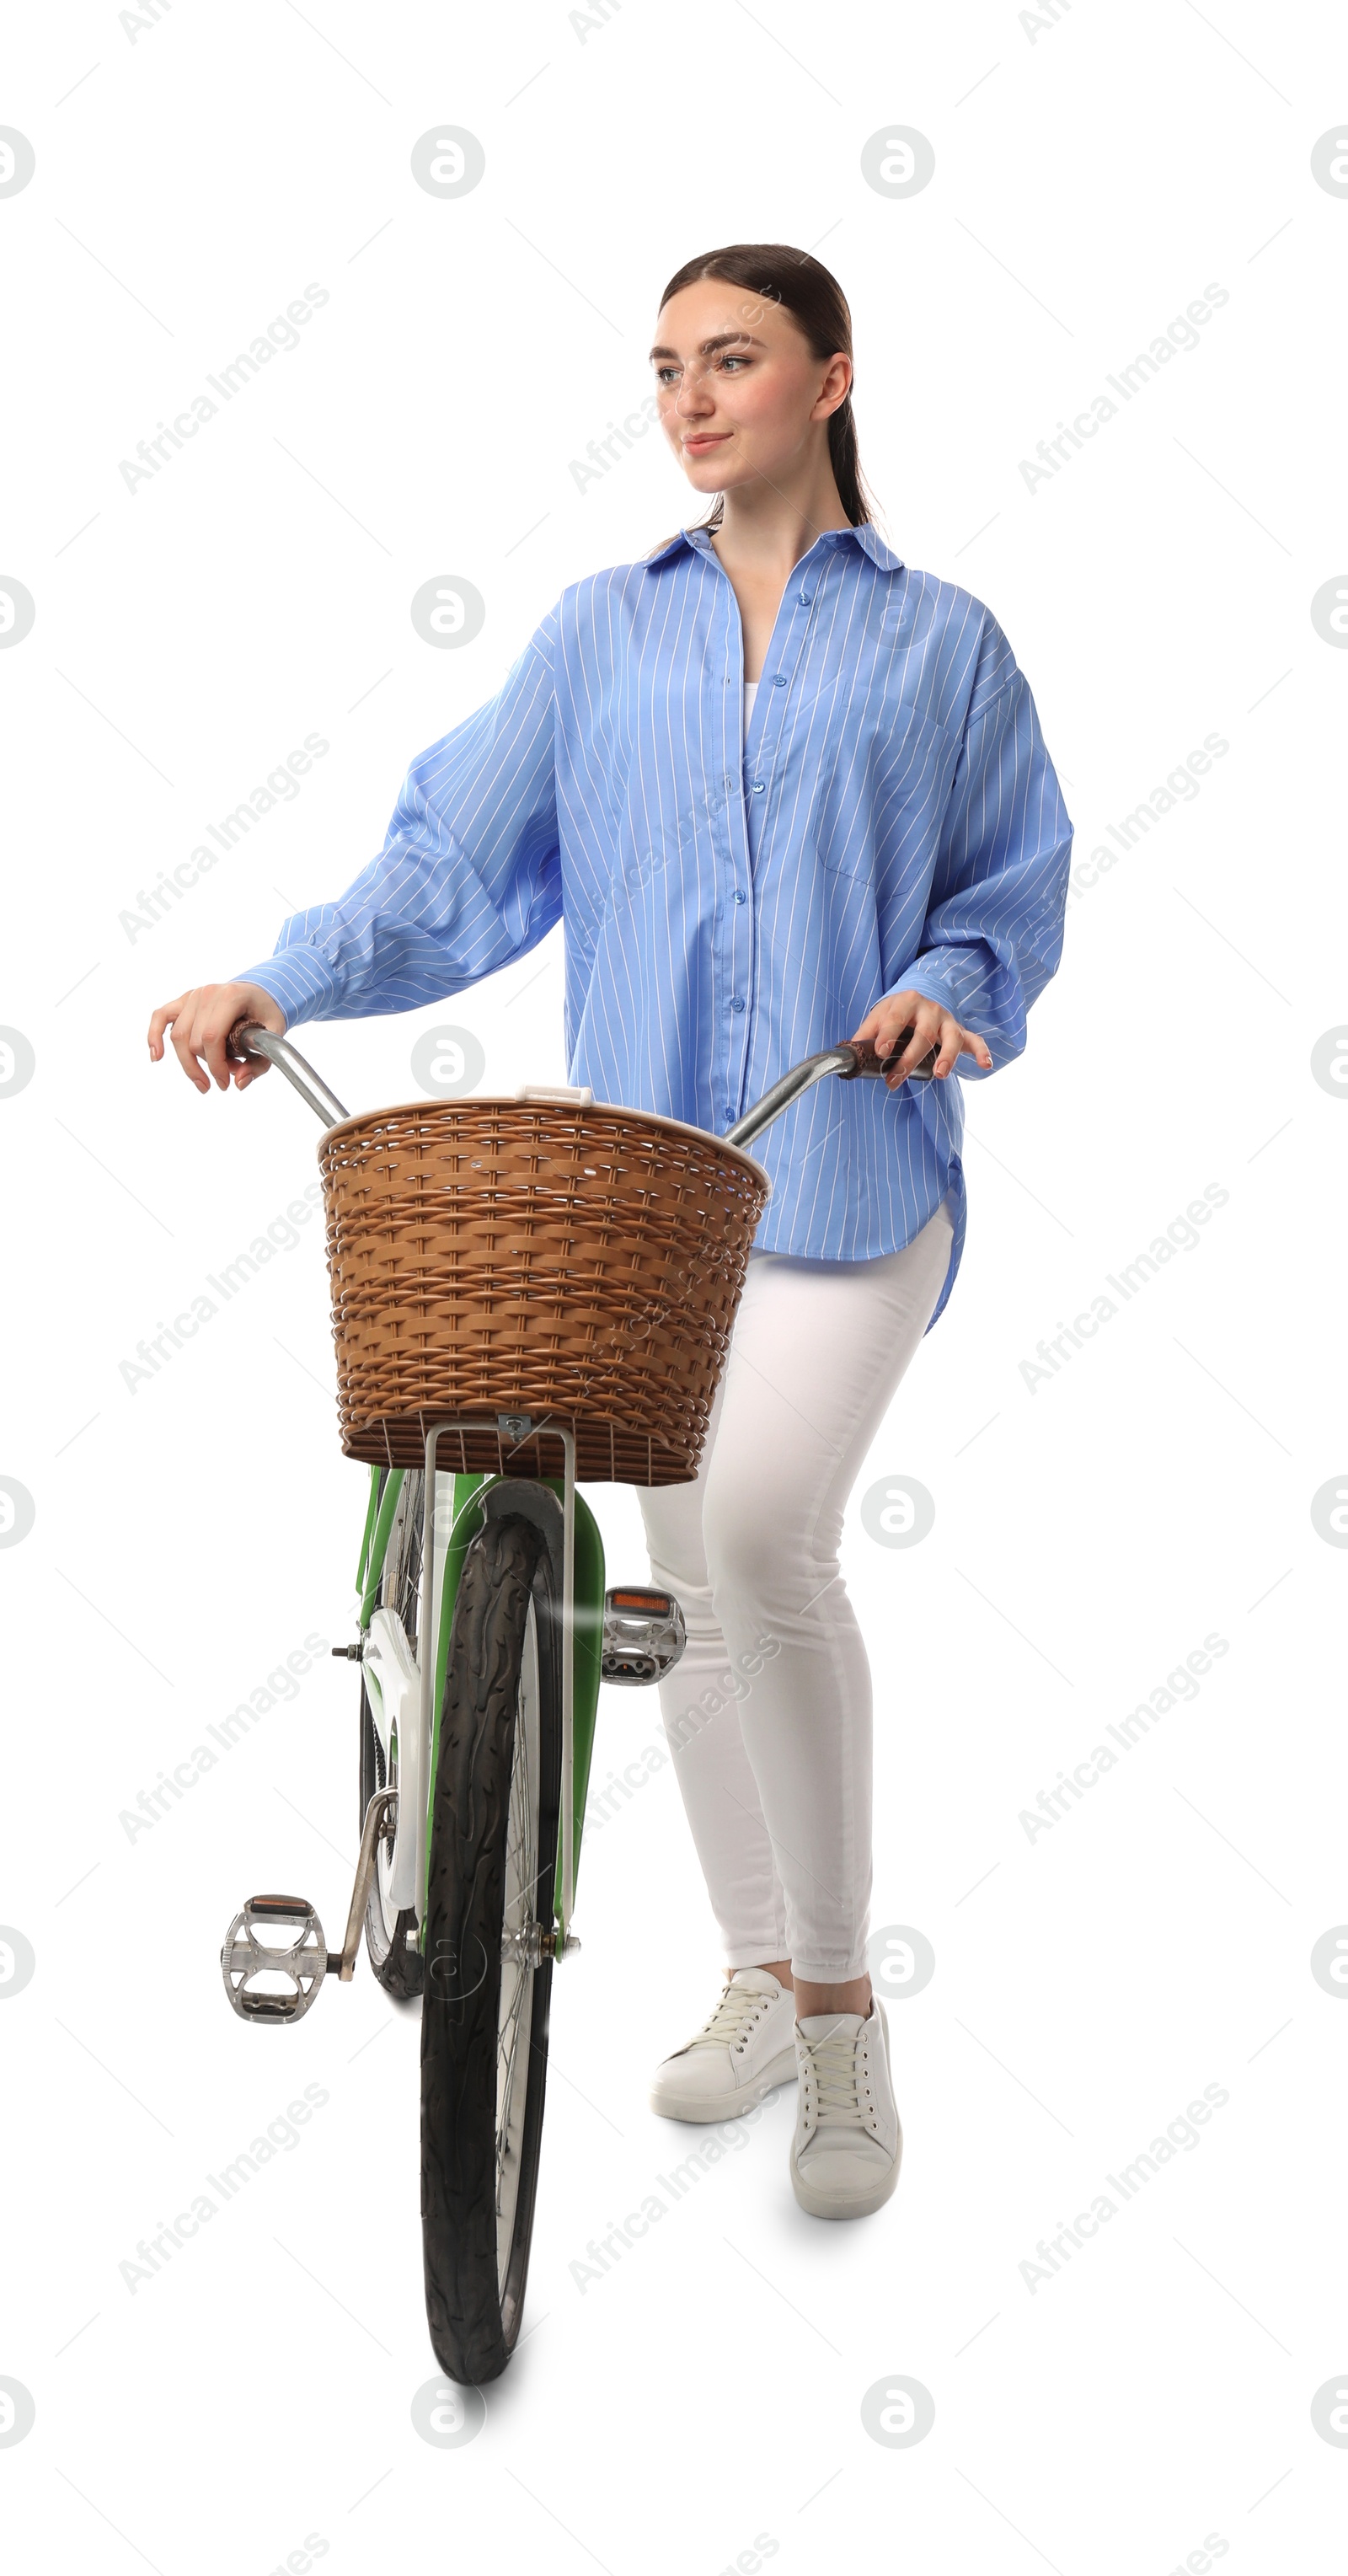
(810, 293)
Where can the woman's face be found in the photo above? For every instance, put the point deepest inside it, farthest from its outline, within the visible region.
(741, 397)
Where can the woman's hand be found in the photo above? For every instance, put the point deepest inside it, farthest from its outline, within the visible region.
(201, 1022)
(931, 1026)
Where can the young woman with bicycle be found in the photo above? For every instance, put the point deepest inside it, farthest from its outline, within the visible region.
(775, 786)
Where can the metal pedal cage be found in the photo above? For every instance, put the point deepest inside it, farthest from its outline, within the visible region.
(244, 1955)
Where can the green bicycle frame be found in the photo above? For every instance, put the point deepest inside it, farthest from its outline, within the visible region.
(466, 1519)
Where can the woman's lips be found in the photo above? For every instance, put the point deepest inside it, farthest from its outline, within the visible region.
(715, 439)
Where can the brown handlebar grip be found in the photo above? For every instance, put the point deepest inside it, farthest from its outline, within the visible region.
(869, 1062)
(236, 1044)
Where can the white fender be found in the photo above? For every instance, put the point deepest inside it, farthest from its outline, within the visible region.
(393, 1682)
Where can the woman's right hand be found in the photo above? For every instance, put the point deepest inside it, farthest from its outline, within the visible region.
(201, 1022)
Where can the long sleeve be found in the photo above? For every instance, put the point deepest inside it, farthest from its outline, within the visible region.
(469, 876)
(994, 927)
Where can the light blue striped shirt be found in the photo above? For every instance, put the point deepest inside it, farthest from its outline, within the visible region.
(731, 901)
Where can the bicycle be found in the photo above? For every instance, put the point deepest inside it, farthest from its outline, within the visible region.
(485, 1625)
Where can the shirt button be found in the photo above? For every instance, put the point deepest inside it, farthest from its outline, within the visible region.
(779, 679)
(737, 1004)
(805, 597)
(739, 894)
(758, 787)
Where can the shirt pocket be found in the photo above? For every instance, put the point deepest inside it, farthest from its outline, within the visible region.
(888, 813)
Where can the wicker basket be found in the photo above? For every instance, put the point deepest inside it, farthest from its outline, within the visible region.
(497, 1256)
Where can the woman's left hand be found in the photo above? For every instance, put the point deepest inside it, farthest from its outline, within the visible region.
(931, 1026)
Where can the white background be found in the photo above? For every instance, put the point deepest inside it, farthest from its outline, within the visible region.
(193, 173)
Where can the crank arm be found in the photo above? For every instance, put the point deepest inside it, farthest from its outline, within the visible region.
(383, 1801)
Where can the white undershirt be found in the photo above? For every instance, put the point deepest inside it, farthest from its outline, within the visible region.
(750, 693)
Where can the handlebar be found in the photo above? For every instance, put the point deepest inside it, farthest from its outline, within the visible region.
(245, 1040)
(847, 1061)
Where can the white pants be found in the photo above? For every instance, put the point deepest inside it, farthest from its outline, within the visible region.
(768, 1713)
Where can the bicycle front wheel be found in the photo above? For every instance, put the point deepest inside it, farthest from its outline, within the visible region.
(489, 1904)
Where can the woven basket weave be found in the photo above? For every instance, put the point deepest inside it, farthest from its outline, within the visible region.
(523, 1256)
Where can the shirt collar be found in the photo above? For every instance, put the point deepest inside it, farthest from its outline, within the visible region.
(696, 539)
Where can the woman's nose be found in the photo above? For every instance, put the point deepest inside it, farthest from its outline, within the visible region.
(693, 397)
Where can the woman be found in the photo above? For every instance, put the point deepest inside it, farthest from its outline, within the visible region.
(778, 789)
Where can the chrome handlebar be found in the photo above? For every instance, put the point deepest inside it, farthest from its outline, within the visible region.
(847, 1061)
(245, 1040)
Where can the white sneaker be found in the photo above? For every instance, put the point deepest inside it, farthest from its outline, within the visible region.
(737, 2057)
(848, 2143)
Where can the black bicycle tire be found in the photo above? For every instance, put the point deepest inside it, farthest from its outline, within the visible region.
(474, 2321)
(398, 1966)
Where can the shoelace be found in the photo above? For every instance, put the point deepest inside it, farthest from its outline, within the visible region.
(834, 2062)
(739, 2005)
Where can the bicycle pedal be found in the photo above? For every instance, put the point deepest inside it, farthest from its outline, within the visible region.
(296, 1968)
(644, 1635)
